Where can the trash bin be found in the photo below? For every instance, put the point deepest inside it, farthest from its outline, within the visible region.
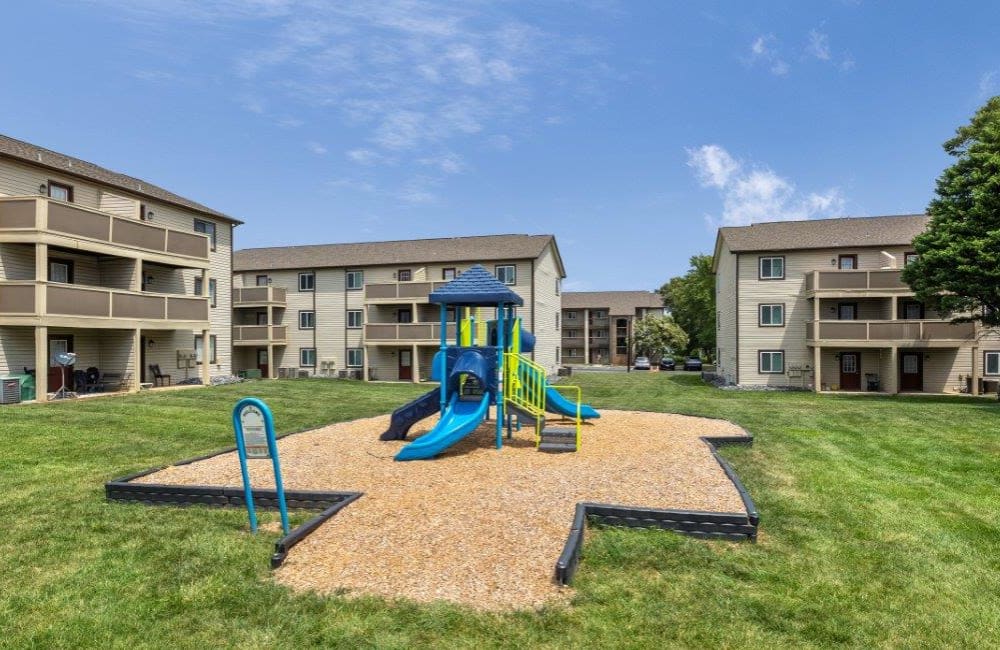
(250, 373)
(27, 387)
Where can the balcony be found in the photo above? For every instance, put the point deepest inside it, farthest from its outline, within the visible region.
(877, 282)
(259, 335)
(406, 332)
(259, 297)
(394, 292)
(599, 322)
(572, 341)
(884, 332)
(38, 220)
(44, 303)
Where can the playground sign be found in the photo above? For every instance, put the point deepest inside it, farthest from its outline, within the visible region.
(254, 427)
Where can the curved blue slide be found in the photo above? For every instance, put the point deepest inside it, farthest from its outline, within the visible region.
(461, 419)
(556, 403)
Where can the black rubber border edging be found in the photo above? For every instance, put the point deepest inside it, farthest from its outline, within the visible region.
(711, 525)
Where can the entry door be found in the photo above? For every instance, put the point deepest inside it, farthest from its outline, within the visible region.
(850, 371)
(262, 318)
(911, 371)
(262, 364)
(847, 311)
(404, 316)
(59, 343)
(405, 365)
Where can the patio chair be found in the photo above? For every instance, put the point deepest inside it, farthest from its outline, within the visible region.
(159, 377)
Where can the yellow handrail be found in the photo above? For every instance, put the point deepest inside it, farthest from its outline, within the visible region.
(579, 402)
(524, 386)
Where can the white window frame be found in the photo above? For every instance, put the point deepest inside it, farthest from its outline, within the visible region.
(769, 308)
(312, 317)
(351, 352)
(571, 315)
(509, 272)
(212, 290)
(213, 348)
(770, 259)
(995, 355)
(207, 228)
(355, 280)
(557, 321)
(360, 318)
(771, 354)
(305, 362)
(311, 277)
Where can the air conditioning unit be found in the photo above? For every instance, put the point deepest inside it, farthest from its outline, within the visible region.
(282, 373)
(10, 391)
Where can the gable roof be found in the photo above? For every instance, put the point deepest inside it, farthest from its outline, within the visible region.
(845, 232)
(39, 156)
(413, 251)
(618, 303)
(475, 287)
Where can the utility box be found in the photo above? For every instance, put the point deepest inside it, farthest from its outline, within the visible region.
(186, 358)
(10, 390)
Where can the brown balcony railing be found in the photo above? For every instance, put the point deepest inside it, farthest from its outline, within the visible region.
(401, 291)
(856, 280)
(42, 215)
(256, 296)
(21, 299)
(572, 341)
(889, 330)
(259, 334)
(407, 332)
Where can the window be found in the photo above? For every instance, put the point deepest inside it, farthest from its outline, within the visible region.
(404, 275)
(61, 271)
(263, 281)
(307, 357)
(262, 318)
(355, 319)
(558, 285)
(199, 349)
(355, 357)
(597, 314)
(847, 262)
(772, 268)
(557, 322)
(355, 280)
(847, 311)
(211, 289)
(60, 191)
(558, 355)
(911, 365)
(307, 320)
(991, 363)
(448, 273)
(207, 228)
(144, 213)
(771, 315)
(307, 281)
(771, 362)
(909, 257)
(571, 315)
(404, 316)
(507, 273)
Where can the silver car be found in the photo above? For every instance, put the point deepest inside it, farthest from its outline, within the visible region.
(641, 363)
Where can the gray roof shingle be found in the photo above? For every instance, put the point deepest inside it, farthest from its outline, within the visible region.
(35, 155)
(414, 251)
(618, 303)
(846, 232)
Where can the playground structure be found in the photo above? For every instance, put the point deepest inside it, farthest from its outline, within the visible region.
(486, 367)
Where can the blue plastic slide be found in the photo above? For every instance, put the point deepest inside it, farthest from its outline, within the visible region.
(461, 419)
(556, 403)
(409, 414)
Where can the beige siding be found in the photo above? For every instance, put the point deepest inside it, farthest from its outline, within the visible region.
(17, 349)
(725, 309)
(17, 262)
(547, 304)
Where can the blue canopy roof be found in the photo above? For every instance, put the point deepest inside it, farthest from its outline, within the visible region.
(477, 287)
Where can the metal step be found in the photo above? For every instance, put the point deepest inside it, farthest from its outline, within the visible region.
(557, 446)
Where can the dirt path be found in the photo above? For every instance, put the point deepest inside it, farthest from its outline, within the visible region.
(476, 526)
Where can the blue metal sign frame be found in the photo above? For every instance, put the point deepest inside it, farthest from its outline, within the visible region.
(272, 448)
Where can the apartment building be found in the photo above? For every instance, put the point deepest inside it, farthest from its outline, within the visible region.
(121, 272)
(597, 325)
(821, 304)
(361, 310)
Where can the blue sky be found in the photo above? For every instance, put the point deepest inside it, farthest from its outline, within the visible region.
(630, 130)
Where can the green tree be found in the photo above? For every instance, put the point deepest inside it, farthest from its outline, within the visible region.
(691, 299)
(958, 266)
(655, 335)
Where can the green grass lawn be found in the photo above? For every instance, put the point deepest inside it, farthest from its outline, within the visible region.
(879, 526)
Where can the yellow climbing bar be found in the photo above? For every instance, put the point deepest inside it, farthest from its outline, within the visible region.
(524, 387)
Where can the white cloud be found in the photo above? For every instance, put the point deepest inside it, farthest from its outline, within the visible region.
(501, 142)
(989, 84)
(316, 148)
(763, 50)
(364, 156)
(819, 45)
(755, 194)
(712, 165)
(449, 162)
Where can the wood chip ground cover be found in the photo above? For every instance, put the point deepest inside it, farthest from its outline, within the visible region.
(476, 526)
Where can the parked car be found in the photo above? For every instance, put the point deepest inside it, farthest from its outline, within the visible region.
(641, 363)
(667, 363)
(692, 363)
